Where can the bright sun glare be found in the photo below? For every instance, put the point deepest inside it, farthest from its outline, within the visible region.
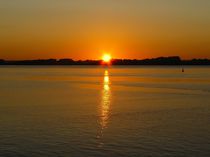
(106, 58)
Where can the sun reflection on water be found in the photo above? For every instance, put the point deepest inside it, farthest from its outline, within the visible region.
(105, 104)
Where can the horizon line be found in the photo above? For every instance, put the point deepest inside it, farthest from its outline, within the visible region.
(57, 59)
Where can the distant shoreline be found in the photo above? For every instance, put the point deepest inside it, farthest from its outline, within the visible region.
(172, 60)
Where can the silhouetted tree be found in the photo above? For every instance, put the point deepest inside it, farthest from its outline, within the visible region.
(2, 62)
(66, 62)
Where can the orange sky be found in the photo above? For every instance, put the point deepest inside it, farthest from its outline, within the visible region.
(85, 29)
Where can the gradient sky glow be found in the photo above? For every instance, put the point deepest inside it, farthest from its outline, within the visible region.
(85, 29)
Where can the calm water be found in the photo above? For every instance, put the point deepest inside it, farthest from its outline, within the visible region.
(95, 112)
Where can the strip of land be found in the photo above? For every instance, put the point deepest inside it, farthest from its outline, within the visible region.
(172, 60)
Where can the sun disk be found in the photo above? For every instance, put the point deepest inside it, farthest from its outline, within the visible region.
(106, 58)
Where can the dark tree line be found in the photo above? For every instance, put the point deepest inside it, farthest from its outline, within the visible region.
(173, 60)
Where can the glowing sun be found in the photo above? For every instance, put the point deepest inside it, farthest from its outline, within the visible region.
(106, 58)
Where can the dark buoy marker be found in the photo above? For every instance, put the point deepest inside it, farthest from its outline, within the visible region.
(182, 69)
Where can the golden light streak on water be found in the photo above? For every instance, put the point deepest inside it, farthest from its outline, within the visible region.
(105, 105)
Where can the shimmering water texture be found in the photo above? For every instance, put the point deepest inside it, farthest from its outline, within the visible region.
(93, 111)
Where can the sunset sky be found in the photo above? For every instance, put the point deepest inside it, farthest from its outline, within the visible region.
(85, 29)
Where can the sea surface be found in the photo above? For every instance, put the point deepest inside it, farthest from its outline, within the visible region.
(94, 111)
